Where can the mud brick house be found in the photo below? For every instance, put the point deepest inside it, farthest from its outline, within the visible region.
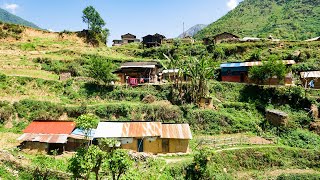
(46, 136)
(150, 137)
(308, 76)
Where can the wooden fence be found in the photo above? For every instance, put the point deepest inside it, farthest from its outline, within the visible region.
(220, 143)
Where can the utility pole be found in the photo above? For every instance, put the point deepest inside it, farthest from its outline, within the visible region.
(184, 34)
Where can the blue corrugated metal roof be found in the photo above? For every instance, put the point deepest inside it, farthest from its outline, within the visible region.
(79, 132)
(229, 65)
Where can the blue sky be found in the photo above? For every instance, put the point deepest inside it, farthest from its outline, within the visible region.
(140, 17)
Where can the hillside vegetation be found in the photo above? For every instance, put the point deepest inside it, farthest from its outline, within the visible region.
(32, 60)
(7, 17)
(284, 19)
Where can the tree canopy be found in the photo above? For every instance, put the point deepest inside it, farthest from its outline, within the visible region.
(101, 70)
(95, 24)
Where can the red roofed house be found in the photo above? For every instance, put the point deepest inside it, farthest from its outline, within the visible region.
(45, 136)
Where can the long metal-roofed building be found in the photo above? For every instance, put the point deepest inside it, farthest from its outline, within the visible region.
(45, 136)
(150, 137)
(239, 71)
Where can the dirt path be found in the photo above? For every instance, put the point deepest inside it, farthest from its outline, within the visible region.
(249, 147)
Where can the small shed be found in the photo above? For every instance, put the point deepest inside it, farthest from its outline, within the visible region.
(78, 138)
(150, 137)
(45, 136)
(135, 73)
(277, 118)
(239, 72)
(153, 40)
(307, 76)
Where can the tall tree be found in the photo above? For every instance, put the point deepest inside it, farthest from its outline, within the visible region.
(93, 19)
(95, 23)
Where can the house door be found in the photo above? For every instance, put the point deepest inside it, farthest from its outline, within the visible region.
(165, 145)
(242, 77)
(59, 148)
(140, 145)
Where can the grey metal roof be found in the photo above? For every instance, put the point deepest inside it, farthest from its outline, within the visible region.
(44, 138)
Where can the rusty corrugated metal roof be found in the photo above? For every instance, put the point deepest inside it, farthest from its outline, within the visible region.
(176, 131)
(50, 127)
(44, 138)
(128, 129)
(142, 129)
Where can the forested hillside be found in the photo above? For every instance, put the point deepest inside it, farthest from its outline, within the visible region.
(7, 17)
(284, 19)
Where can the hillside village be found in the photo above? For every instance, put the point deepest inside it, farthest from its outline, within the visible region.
(213, 106)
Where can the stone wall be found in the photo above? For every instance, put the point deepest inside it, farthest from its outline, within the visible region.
(277, 118)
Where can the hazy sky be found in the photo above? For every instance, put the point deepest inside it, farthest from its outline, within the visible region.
(140, 17)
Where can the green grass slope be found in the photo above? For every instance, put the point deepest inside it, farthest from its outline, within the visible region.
(285, 19)
(7, 17)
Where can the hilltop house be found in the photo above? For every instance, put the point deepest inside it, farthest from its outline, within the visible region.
(126, 39)
(239, 72)
(45, 136)
(153, 40)
(150, 137)
(223, 37)
(135, 73)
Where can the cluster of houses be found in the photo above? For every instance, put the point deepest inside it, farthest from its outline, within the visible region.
(149, 137)
(149, 41)
(139, 73)
(136, 73)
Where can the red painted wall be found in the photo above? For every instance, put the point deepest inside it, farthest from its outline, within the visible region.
(231, 78)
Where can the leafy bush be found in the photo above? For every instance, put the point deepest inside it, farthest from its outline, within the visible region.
(227, 120)
(6, 111)
(36, 110)
(301, 139)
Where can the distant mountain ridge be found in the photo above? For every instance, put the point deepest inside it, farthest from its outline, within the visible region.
(7, 17)
(193, 30)
(284, 19)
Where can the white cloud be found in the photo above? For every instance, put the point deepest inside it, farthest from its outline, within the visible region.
(232, 4)
(11, 7)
